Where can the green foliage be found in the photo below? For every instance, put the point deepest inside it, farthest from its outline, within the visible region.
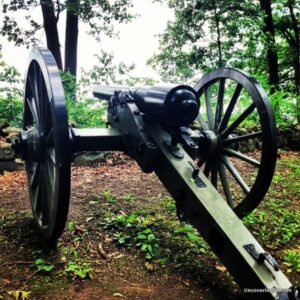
(285, 105)
(109, 196)
(128, 197)
(11, 104)
(70, 227)
(86, 113)
(43, 266)
(99, 15)
(81, 270)
(82, 112)
(147, 243)
(108, 72)
(207, 34)
(149, 233)
(292, 260)
(278, 228)
(11, 111)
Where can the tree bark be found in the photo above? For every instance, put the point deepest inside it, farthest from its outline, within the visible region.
(272, 56)
(219, 44)
(296, 55)
(50, 26)
(71, 41)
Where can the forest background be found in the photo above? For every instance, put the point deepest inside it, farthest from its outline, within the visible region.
(260, 37)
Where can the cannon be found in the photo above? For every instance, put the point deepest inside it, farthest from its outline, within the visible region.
(190, 137)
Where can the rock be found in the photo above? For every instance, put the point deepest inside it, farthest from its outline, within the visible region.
(6, 152)
(3, 126)
(243, 149)
(251, 145)
(11, 133)
(91, 157)
(11, 166)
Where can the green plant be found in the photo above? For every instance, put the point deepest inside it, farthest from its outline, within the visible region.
(11, 110)
(292, 260)
(147, 243)
(128, 197)
(11, 104)
(43, 266)
(80, 269)
(70, 227)
(109, 196)
(82, 112)
(193, 240)
(121, 238)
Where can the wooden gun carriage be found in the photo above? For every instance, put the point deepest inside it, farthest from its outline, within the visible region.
(190, 137)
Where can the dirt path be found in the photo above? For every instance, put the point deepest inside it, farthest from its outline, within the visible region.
(96, 244)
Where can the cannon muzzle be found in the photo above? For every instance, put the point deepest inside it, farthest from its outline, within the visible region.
(174, 105)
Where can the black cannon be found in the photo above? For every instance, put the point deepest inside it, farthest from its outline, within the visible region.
(190, 137)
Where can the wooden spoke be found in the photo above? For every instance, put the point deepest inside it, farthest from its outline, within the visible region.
(230, 108)
(225, 185)
(219, 107)
(241, 138)
(239, 120)
(210, 116)
(234, 172)
(241, 156)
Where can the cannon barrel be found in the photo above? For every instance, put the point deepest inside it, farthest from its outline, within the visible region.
(173, 105)
(105, 92)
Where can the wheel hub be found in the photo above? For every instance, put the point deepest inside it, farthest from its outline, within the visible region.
(208, 142)
(29, 145)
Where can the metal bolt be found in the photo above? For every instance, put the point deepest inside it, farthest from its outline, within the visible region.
(151, 145)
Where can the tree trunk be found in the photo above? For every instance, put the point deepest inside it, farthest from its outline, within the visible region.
(296, 56)
(219, 44)
(71, 41)
(50, 26)
(272, 57)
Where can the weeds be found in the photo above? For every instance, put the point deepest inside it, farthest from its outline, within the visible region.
(292, 260)
(109, 196)
(42, 266)
(80, 269)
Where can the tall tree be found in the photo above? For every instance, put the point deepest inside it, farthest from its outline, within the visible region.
(272, 57)
(50, 26)
(71, 37)
(287, 22)
(194, 40)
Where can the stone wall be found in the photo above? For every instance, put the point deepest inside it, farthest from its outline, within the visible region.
(288, 138)
(7, 135)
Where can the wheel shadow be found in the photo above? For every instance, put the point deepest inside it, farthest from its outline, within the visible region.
(22, 238)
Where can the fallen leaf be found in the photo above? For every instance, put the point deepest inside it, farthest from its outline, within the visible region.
(116, 255)
(221, 268)
(149, 266)
(118, 295)
(102, 252)
(23, 295)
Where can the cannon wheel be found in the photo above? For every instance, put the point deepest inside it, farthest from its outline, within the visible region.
(230, 100)
(48, 165)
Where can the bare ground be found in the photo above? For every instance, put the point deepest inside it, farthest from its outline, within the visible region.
(117, 272)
